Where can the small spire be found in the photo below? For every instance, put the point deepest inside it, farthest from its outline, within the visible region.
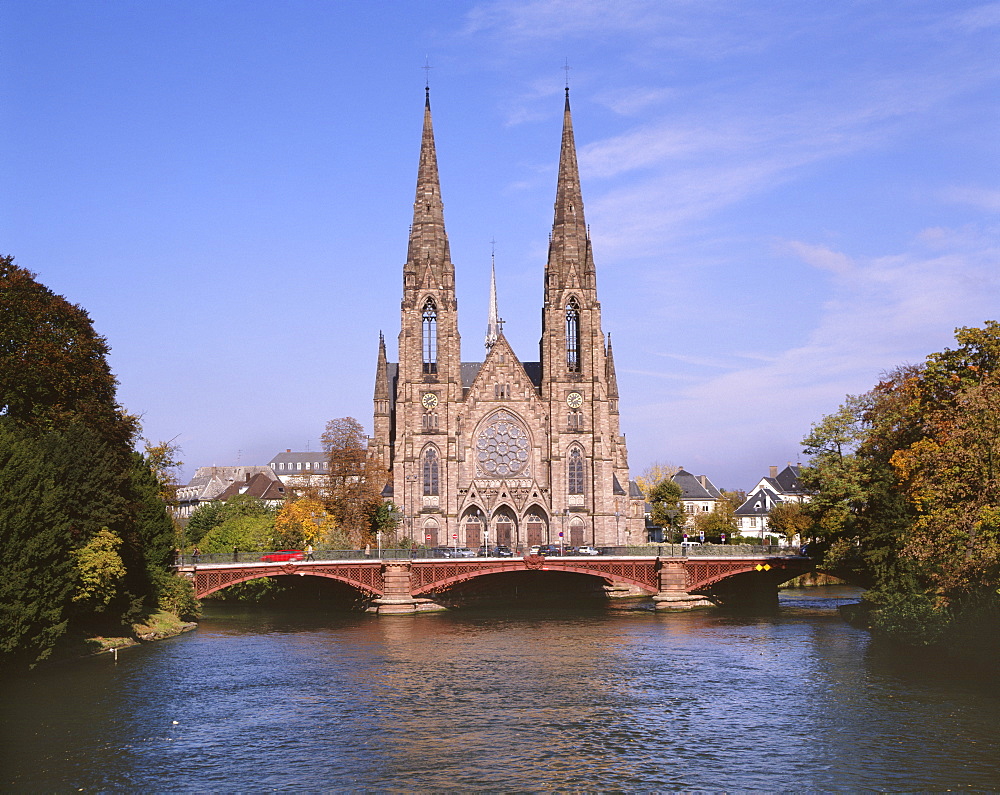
(609, 370)
(494, 326)
(381, 372)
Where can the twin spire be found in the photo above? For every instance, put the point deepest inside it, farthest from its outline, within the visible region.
(428, 261)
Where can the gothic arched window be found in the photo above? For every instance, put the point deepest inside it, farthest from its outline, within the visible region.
(573, 336)
(431, 473)
(575, 474)
(429, 327)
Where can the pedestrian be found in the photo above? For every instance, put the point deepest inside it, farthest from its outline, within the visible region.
(196, 554)
(309, 552)
(368, 550)
(236, 555)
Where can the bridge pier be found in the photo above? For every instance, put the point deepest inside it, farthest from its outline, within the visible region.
(397, 597)
(673, 593)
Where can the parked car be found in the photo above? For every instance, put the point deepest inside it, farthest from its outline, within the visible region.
(452, 552)
(586, 549)
(690, 543)
(549, 549)
(283, 555)
(499, 551)
(534, 550)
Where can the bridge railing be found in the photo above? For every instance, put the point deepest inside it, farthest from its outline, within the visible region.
(420, 553)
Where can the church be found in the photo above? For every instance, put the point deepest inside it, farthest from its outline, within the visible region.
(504, 451)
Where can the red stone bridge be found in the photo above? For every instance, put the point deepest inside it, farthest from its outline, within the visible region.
(408, 586)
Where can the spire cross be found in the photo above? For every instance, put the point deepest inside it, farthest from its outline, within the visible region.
(427, 73)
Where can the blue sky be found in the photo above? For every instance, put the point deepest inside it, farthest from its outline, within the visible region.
(786, 199)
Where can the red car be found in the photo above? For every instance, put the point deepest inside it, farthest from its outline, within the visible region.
(283, 555)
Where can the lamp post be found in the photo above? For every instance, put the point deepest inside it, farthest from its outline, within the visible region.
(671, 515)
(562, 535)
(761, 509)
(412, 498)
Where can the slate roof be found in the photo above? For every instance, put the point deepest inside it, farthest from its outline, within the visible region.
(692, 487)
(760, 501)
(260, 485)
(312, 462)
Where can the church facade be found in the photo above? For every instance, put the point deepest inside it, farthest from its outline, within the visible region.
(504, 451)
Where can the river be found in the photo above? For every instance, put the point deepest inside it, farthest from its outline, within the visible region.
(610, 698)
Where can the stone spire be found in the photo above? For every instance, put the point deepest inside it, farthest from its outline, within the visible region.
(428, 258)
(381, 374)
(570, 262)
(609, 371)
(493, 326)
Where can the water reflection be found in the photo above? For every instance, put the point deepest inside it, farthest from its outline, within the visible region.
(606, 698)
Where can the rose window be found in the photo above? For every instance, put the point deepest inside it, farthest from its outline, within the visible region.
(502, 448)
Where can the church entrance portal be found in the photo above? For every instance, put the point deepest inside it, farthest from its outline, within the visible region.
(505, 530)
(536, 530)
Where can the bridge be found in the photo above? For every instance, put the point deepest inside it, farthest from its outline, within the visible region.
(678, 580)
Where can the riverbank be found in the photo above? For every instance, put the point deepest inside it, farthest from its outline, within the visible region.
(158, 626)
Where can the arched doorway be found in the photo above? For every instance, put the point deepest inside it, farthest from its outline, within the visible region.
(534, 529)
(473, 531)
(577, 529)
(504, 528)
(431, 533)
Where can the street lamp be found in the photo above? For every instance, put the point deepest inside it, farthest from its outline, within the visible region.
(671, 515)
(761, 509)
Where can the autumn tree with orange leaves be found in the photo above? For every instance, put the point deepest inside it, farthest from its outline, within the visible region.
(906, 482)
(355, 480)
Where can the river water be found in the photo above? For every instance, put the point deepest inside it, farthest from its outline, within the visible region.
(613, 698)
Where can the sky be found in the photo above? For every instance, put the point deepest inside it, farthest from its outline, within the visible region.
(786, 199)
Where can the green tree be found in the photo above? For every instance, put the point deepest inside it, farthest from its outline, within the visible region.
(70, 484)
(717, 521)
(790, 519)
(36, 562)
(100, 571)
(202, 519)
(53, 365)
(667, 510)
(355, 479)
(907, 499)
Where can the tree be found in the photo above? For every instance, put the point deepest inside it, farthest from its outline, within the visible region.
(355, 479)
(36, 563)
(100, 571)
(667, 509)
(717, 521)
(53, 365)
(907, 496)
(655, 473)
(306, 521)
(790, 519)
(74, 496)
(163, 460)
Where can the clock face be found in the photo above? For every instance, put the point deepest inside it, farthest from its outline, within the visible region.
(574, 400)
(429, 400)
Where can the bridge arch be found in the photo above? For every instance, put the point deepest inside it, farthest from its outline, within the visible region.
(364, 578)
(432, 576)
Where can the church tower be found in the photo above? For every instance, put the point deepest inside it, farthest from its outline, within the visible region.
(504, 451)
(588, 456)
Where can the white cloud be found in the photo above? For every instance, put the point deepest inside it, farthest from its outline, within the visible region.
(982, 198)
(881, 312)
